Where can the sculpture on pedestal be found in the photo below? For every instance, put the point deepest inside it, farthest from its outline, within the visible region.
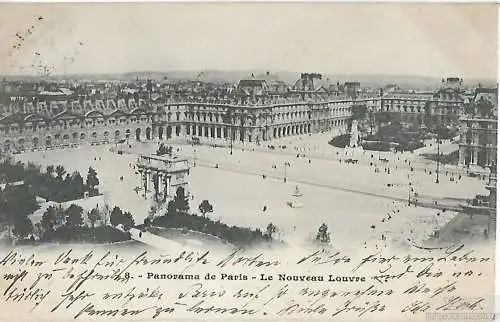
(354, 135)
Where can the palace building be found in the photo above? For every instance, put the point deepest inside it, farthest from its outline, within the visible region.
(429, 109)
(252, 111)
(479, 127)
(255, 109)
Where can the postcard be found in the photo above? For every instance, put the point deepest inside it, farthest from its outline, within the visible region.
(248, 161)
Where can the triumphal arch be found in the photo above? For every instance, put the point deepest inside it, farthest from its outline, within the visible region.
(165, 174)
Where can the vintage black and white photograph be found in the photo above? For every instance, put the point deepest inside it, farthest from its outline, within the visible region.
(316, 161)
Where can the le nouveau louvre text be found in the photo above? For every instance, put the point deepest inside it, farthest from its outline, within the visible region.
(261, 277)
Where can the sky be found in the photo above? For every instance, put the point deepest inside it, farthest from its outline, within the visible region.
(386, 38)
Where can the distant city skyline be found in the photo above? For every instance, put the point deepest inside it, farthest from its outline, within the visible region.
(433, 40)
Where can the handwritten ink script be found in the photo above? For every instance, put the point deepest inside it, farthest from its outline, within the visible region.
(320, 284)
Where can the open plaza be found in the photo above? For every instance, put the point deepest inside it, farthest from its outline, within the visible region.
(253, 185)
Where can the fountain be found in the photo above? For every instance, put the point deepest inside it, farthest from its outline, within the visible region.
(296, 202)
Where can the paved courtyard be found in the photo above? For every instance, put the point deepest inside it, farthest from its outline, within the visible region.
(357, 203)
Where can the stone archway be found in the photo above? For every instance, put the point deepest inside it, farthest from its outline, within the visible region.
(138, 134)
(148, 133)
(178, 130)
(35, 142)
(127, 133)
(48, 141)
(20, 143)
(106, 136)
(169, 132)
(160, 133)
(7, 146)
(117, 135)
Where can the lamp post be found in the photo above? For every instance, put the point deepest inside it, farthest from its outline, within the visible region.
(229, 120)
(437, 160)
(286, 164)
(232, 137)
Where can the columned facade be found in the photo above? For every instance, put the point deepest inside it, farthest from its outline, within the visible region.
(478, 141)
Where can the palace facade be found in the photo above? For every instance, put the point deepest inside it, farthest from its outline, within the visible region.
(256, 109)
(479, 128)
(256, 123)
(431, 109)
(250, 112)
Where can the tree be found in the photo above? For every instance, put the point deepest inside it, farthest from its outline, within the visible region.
(93, 216)
(60, 216)
(22, 226)
(76, 186)
(92, 180)
(48, 221)
(271, 229)
(38, 230)
(128, 221)
(122, 218)
(116, 216)
(171, 208)
(50, 170)
(181, 201)
(77, 179)
(32, 172)
(19, 200)
(205, 207)
(74, 216)
(323, 235)
(60, 171)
